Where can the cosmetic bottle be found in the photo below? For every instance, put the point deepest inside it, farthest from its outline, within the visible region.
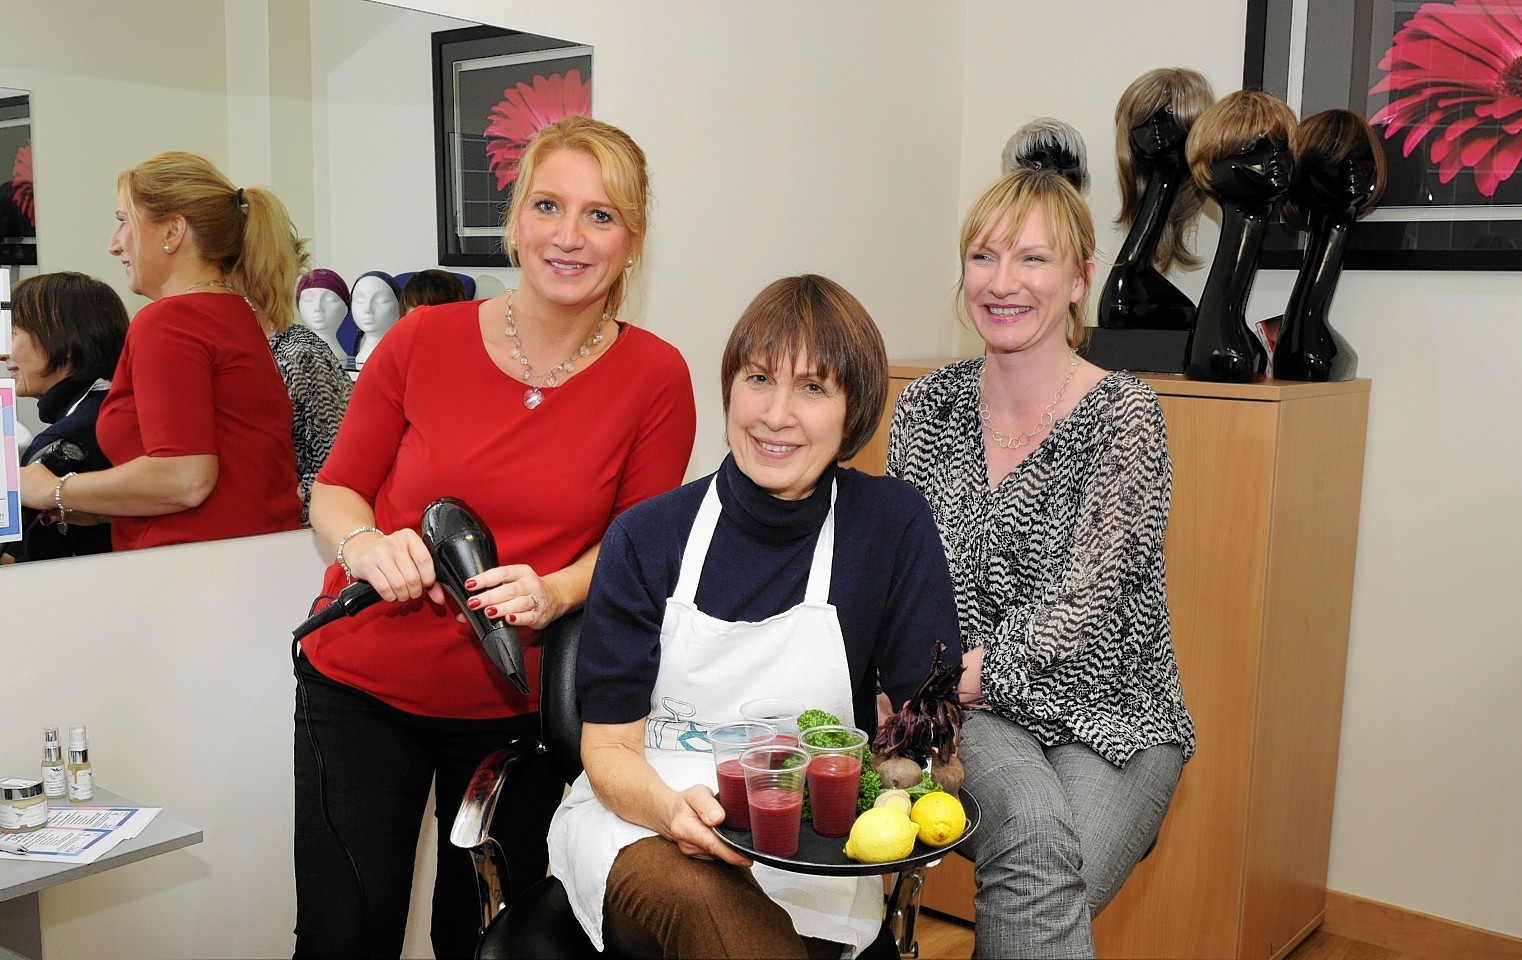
(81, 780)
(23, 808)
(55, 782)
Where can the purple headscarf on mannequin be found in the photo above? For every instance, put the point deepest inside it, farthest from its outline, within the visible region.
(323, 279)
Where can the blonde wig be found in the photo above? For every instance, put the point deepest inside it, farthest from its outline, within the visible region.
(1189, 94)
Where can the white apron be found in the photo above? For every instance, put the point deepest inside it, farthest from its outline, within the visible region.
(708, 668)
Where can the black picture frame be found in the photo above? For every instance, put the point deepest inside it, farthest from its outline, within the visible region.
(1422, 223)
(473, 69)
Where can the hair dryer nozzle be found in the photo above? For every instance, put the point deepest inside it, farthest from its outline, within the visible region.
(462, 546)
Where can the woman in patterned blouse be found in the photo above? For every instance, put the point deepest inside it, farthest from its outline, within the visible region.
(1050, 482)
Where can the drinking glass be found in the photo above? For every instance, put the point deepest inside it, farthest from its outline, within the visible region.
(780, 712)
(774, 779)
(729, 741)
(836, 753)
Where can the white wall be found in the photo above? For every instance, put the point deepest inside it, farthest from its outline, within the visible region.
(1431, 767)
(177, 660)
(782, 138)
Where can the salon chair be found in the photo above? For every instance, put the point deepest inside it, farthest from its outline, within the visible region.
(539, 923)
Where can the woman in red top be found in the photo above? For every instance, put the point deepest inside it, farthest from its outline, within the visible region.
(548, 417)
(197, 423)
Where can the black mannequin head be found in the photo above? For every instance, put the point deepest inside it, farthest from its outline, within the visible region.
(1255, 174)
(1339, 168)
(1239, 150)
(1172, 96)
(1049, 144)
(1158, 139)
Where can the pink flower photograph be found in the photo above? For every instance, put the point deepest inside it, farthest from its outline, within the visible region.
(524, 110)
(494, 90)
(1454, 73)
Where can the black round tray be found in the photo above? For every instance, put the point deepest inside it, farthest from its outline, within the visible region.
(825, 856)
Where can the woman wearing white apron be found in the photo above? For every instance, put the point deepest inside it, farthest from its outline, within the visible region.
(780, 575)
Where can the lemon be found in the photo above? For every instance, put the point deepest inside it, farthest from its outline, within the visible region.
(881, 834)
(897, 799)
(940, 817)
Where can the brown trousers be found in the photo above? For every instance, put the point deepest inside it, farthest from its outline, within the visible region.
(663, 903)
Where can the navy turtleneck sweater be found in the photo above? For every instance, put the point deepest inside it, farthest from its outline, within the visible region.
(889, 583)
(69, 408)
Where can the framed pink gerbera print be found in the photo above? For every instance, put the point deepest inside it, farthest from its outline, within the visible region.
(493, 90)
(1440, 81)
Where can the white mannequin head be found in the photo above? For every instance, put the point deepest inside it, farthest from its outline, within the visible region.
(322, 310)
(376, 307)
(322, 302)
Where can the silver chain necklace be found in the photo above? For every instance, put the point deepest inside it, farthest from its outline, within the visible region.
(533, 396)
(1045, 420)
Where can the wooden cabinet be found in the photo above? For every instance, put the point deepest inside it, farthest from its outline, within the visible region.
(1261, 540)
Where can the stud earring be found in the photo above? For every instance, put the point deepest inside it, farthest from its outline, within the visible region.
(628, 263)
(166, 248)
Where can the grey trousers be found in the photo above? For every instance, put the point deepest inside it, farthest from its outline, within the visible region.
(1062, 828)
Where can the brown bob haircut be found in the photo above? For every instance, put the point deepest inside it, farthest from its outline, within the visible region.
(78, 321)
(814, 316)
(1327, 140)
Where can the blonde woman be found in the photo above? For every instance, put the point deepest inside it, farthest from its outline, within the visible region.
(197, 423)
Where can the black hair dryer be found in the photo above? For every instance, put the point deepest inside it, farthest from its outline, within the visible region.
(462, 546)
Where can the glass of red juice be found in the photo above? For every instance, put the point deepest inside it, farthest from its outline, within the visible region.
(774, 779)
(781, 712)
(729, 741)
(836, 754)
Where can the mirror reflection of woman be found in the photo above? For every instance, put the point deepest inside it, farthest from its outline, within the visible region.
(67, 331)
(780, 573)
(402, 696)
(197, 422)
(1050, 482)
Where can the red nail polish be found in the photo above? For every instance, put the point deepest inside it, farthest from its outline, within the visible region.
(470, 584)
(512, 618)
(491, 611)
(473, 602)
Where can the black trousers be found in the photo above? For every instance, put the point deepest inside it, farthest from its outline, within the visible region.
(377, 764)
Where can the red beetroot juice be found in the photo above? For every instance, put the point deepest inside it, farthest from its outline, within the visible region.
(732, 795)
(834, 782)
(775, 815)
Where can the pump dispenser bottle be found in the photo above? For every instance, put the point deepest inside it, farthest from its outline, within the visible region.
(81, 780)
(55, 782)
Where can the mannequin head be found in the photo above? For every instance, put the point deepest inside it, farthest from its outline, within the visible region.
(624, 178)
(1239, 150)
(1152, 120)
(1049, 144)
(1339, 168)
(322, 301)
(428, 287)
(376, 303)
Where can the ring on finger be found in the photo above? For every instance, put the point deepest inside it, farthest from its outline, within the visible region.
(536, 599)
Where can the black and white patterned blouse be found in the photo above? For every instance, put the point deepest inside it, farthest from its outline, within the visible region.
(1059, 570)
(319, 390)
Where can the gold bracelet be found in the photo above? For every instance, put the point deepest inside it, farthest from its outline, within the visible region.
(342, 541)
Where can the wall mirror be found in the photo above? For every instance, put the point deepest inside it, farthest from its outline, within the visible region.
(330, 102)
